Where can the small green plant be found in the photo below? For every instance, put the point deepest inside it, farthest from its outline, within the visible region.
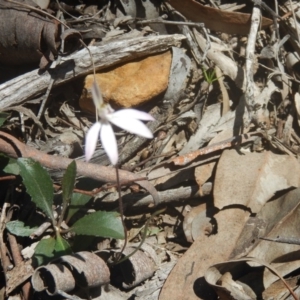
(209, 75)
(40, 188)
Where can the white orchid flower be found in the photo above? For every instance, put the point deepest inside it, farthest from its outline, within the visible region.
(127, 119)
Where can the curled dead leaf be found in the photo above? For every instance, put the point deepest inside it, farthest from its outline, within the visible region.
(198, 223)
(26, 37)
(83, 269)
(136, 269)
(60, 277)
(242, 279)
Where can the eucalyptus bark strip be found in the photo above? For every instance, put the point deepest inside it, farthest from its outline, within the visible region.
(251, 90)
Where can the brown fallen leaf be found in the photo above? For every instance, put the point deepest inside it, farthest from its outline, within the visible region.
(216, 19)
(278, 288)
(186, 281)
(251, 179)
(281, 217)
(278, 218)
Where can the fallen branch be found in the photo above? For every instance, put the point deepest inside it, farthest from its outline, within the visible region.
(171, 195)
(14, 148)
(31, 84)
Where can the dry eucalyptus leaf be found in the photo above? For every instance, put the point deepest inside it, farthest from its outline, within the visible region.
(146, 9)
(209, 120)
(278, 290)
(204, 172)
(176, 141)
(197, 223)
(293, 64)
(278, 218)
(186, 279)
(237, 290)
(43, 4)
(216, 19)
(251, 179)
(180, 68)
(70, 115)
(129, 7)
(282, 217)
(122, 20)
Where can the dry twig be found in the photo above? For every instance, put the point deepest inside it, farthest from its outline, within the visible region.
(14, 148)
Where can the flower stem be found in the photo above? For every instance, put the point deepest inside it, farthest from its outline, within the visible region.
(121, 213)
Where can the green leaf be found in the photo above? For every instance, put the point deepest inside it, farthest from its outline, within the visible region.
(12, 167)
(100, 223)
(44, 251)
(9, 165)
(38, 184)
(68, 182)
(3, 117)
(61, 247)
(77, 202)
(18, 228)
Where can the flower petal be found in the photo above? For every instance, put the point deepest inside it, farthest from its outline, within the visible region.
(131, 113)
(133, 126)
(109, 142)
(91, 140)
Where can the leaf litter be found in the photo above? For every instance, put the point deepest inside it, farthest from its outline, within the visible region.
(222, 167)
